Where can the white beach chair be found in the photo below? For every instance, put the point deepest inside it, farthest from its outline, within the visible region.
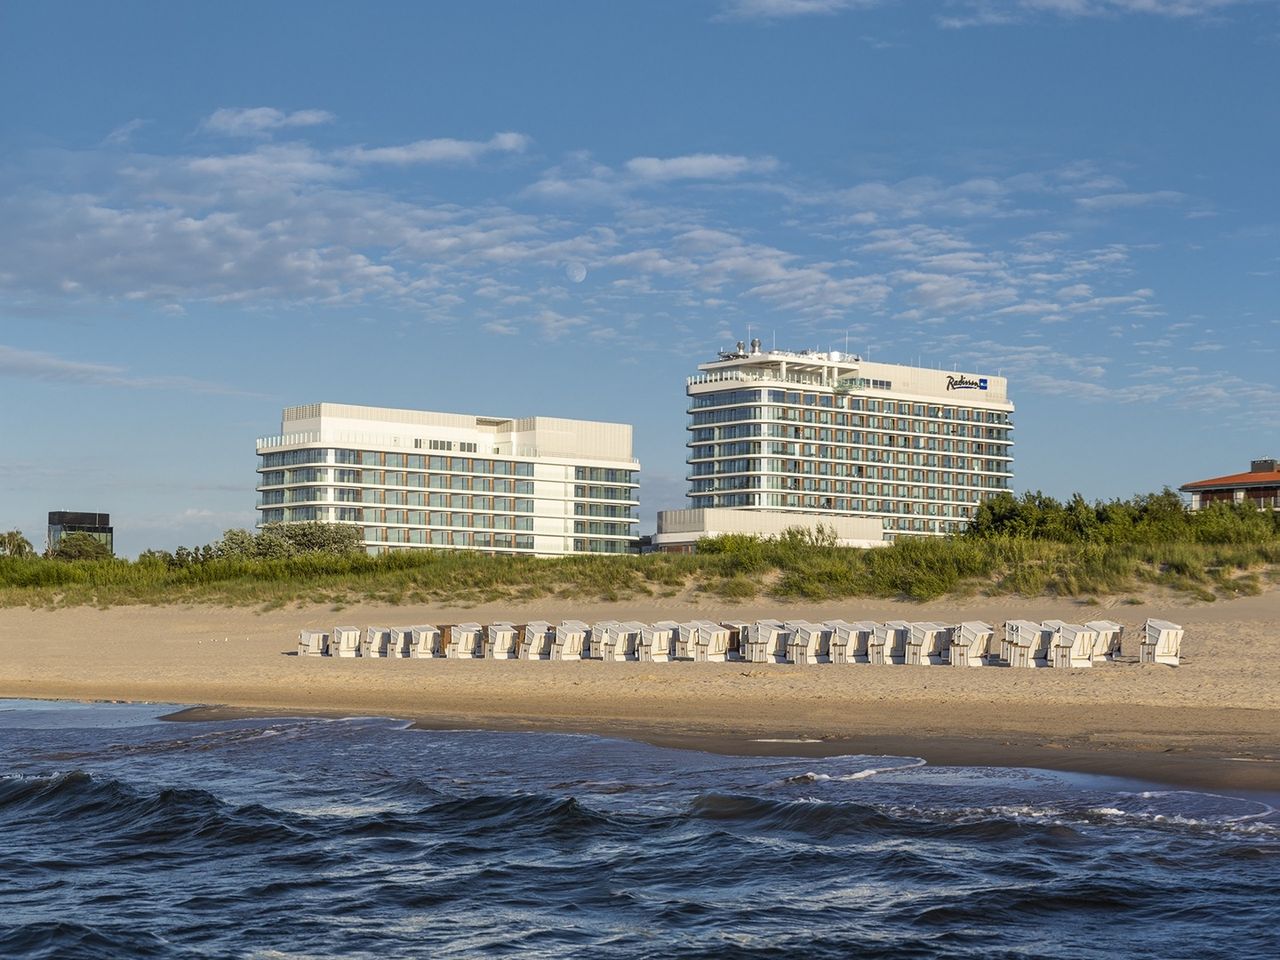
(462, 641)
(769, 640)
(838, 644)
(1161, 642)
(1107, 645)
(1042, 650)
(738, 634)
(377, 641)
(500, 641)
(605, 636)
(401, 644)
(927, 644)
(570, 639)
(630, 637)
(658, 641)
(809, 642)
(888, 644)
(1073, 646)
(1020, 640)
(424, 642)
(313, 643)
(971, 643)
(851, 642)
(686, 640)
(536, 640)
(713, 643)
(345, 642)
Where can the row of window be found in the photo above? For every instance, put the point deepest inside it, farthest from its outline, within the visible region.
(837, 505)
(828, 468)
(972, 484)
(703, 418)
(396, 461)
(700, 452)
(604, 475)
(829, 401)
(468, 539)
(420, 518)
(463, 445)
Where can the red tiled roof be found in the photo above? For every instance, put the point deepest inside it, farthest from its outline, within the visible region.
(1268, 479)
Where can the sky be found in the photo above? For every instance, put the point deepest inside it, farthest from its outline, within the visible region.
(212, 211)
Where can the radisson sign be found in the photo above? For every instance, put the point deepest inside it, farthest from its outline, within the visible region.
(966, 383)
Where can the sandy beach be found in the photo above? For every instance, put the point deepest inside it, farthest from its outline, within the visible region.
(1212, 722)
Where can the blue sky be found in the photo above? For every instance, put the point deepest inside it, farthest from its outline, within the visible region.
(208, 212)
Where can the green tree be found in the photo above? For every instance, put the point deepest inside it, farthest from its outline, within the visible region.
(236, 545)
(81, 546)
(14, 544)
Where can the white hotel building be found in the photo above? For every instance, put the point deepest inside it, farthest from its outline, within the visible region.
(829, 436)
(411, 478)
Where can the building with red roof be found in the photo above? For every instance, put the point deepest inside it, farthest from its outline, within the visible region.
(1260, 487)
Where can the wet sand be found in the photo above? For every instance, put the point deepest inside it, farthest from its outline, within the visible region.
(1213, 722)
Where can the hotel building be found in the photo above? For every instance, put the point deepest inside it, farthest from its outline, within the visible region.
(1259, 487)
(416, 479)
(830, 435)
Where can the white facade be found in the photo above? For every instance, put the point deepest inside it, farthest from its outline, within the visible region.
(680, 530)
(411, 478)
(830, 434)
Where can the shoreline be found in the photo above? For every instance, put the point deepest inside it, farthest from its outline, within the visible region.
(1196, 767)
(1179, 725)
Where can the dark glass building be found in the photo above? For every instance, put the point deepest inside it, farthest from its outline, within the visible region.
(97, 525)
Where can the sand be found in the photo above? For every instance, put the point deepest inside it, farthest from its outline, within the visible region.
(1212, 722)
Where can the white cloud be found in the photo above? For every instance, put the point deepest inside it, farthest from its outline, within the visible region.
(1122, 201)
(698, 166)
(36, 365)
(440, 150)
(972, 13)
(785, 9)
(260, 121)
(124, 133)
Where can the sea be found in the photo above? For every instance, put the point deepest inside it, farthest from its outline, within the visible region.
(124, 835)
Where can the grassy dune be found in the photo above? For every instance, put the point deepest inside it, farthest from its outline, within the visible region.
(733, 568)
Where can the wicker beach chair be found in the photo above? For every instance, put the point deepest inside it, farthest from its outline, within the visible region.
(686, 640)
(500, 641)
(658, 641)
(1073, 646)
(401, 645)
(313, 643)
(971, 642)
(809, 642)
(462, 641)
(569, 641)
(713, 642)
(768, 642)
(536, 640)
(927, 644)
(1107, 644)
(1160, 642)
(888, 644)
(424, 642)
(1021, 640)
(345, 642)
(377, 642)
(738, 631)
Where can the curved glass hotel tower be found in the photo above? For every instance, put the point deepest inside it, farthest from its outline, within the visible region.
(832, 435)
(412, 478)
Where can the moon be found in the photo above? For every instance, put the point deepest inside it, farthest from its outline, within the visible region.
(575, 272)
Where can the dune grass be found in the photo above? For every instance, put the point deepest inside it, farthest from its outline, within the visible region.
(732, 569)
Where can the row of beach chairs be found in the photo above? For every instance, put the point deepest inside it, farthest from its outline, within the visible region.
(972, 643)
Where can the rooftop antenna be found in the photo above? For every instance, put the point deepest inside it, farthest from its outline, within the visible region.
(775, 341)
